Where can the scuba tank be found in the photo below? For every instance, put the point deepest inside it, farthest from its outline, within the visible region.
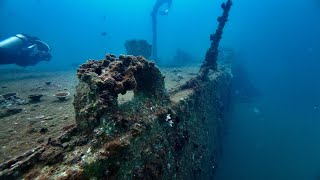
(10, 48)
(13, 42)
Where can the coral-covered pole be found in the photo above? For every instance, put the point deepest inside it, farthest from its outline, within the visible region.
(210, 62)
(211, 58)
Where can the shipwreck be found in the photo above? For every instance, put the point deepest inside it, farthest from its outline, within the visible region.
(156, 134)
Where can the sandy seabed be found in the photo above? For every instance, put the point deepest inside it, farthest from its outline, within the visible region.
(37, 122)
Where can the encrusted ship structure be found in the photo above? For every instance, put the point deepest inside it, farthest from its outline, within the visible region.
(138, 48)
(154, 134)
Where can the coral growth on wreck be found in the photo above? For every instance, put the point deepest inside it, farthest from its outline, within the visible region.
(102, 81)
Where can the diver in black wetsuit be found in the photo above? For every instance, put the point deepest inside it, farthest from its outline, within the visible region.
(23, 50)
(157, 6)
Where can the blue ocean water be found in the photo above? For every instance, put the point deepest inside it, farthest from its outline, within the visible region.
(275, 137)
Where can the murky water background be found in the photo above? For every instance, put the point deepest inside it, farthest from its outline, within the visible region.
(279, 141)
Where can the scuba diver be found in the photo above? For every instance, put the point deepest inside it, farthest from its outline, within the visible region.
(158, 5)
(23, 50)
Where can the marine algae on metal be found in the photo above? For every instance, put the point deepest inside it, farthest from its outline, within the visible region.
(155, 135)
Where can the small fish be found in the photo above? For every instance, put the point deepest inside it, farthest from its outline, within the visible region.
(256, 110)
(104, 33)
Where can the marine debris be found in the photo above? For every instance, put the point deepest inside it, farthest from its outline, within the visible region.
(9, 111)
(9, 95)
(138, 48)
(10, 100)
(61, 95)
(35, 97)
(43, 130)
(153, 136)
(104, 33)
(48, 83)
